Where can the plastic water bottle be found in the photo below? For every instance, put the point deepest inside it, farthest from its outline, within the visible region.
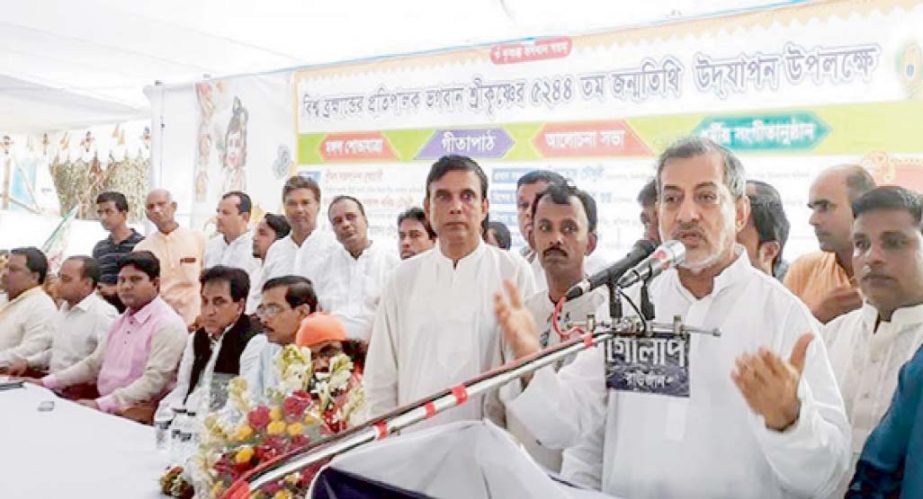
(177, 430)
(192, 435)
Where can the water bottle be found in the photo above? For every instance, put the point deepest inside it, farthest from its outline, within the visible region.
(192, 434)
(177, 429)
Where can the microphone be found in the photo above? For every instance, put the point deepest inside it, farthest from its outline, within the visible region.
(669, 254)
(638, 252)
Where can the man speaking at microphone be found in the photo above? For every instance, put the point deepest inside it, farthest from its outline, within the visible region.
(753, 413)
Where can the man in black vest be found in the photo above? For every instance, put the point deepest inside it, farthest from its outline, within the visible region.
(213, 352)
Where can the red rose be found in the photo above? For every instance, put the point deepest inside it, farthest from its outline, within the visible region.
(272, 487)
(259, 417)
(293, 407)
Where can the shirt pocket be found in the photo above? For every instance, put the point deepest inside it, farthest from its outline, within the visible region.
(190, 268)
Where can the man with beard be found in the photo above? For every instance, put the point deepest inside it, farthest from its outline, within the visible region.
(740, 420)
(824, 279)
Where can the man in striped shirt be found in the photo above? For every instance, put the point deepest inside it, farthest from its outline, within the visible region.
(112, 211)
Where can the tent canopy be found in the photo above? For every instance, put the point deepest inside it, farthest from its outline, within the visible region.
(66, 64)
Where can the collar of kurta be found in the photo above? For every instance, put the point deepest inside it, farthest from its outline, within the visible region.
(443, 260)
(83, 305)
(236, 240)
(739, 270)
(25, 295)
(141, 316)
(905, 316)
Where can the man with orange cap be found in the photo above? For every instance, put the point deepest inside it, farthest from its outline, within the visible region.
(324, 334)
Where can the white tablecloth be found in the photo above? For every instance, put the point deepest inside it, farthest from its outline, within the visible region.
(73, 451)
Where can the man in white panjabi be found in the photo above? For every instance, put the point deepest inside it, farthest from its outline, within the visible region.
(270, 229)
(306, 248)
(435, 325)
(80, 325)
(868, 346)
(349, 284)
(564, 232)
(233, 246)
(747, 422)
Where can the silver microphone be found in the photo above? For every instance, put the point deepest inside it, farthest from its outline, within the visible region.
(667, 255)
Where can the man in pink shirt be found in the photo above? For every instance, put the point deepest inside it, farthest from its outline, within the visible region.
(137, 364)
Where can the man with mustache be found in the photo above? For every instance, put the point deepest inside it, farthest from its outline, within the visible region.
(564, 232)
(824, 279)
(527, 188)
(868, 346)
(349, 284)
(762, 416)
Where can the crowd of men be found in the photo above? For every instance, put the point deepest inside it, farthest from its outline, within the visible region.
(813, 390)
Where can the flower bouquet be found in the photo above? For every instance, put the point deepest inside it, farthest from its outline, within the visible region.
(307, 404)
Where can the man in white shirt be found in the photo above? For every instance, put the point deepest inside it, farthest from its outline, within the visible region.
(306, 248)
(81, 324)
(349, 284)
(287, 300)
(868, 346)
(733, 419)
(414, 234)
(214, 352)
(564, 232)
(233, 246)
(27, 318)
(435, 325)
(527, 188)
(270, 229)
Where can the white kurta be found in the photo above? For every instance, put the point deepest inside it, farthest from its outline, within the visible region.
(199, 398)
(542, 308)
(26, 325)
(77, 332)
(710, 444)
(435, 327)
(350, 288)
(238, 253)
(866, 363)
(260, 370)
(287, 258)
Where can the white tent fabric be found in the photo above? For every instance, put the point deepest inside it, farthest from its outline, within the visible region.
(67, 64)
(467, 459)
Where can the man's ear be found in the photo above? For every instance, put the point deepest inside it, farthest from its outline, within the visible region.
(592, 239)
(768, 251)
(742, 208)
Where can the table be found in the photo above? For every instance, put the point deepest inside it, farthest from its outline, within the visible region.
(73, 451)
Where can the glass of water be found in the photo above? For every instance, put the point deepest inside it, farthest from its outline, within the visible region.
(162, 431)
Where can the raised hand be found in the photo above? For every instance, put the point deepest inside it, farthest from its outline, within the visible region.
(770, 385)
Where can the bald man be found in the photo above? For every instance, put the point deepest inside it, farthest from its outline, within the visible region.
(180, 252)
(824, 279)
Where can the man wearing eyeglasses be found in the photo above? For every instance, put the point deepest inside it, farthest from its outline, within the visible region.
(213, 353)
(287, 300)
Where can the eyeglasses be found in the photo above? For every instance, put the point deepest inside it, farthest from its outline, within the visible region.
(269, 311)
